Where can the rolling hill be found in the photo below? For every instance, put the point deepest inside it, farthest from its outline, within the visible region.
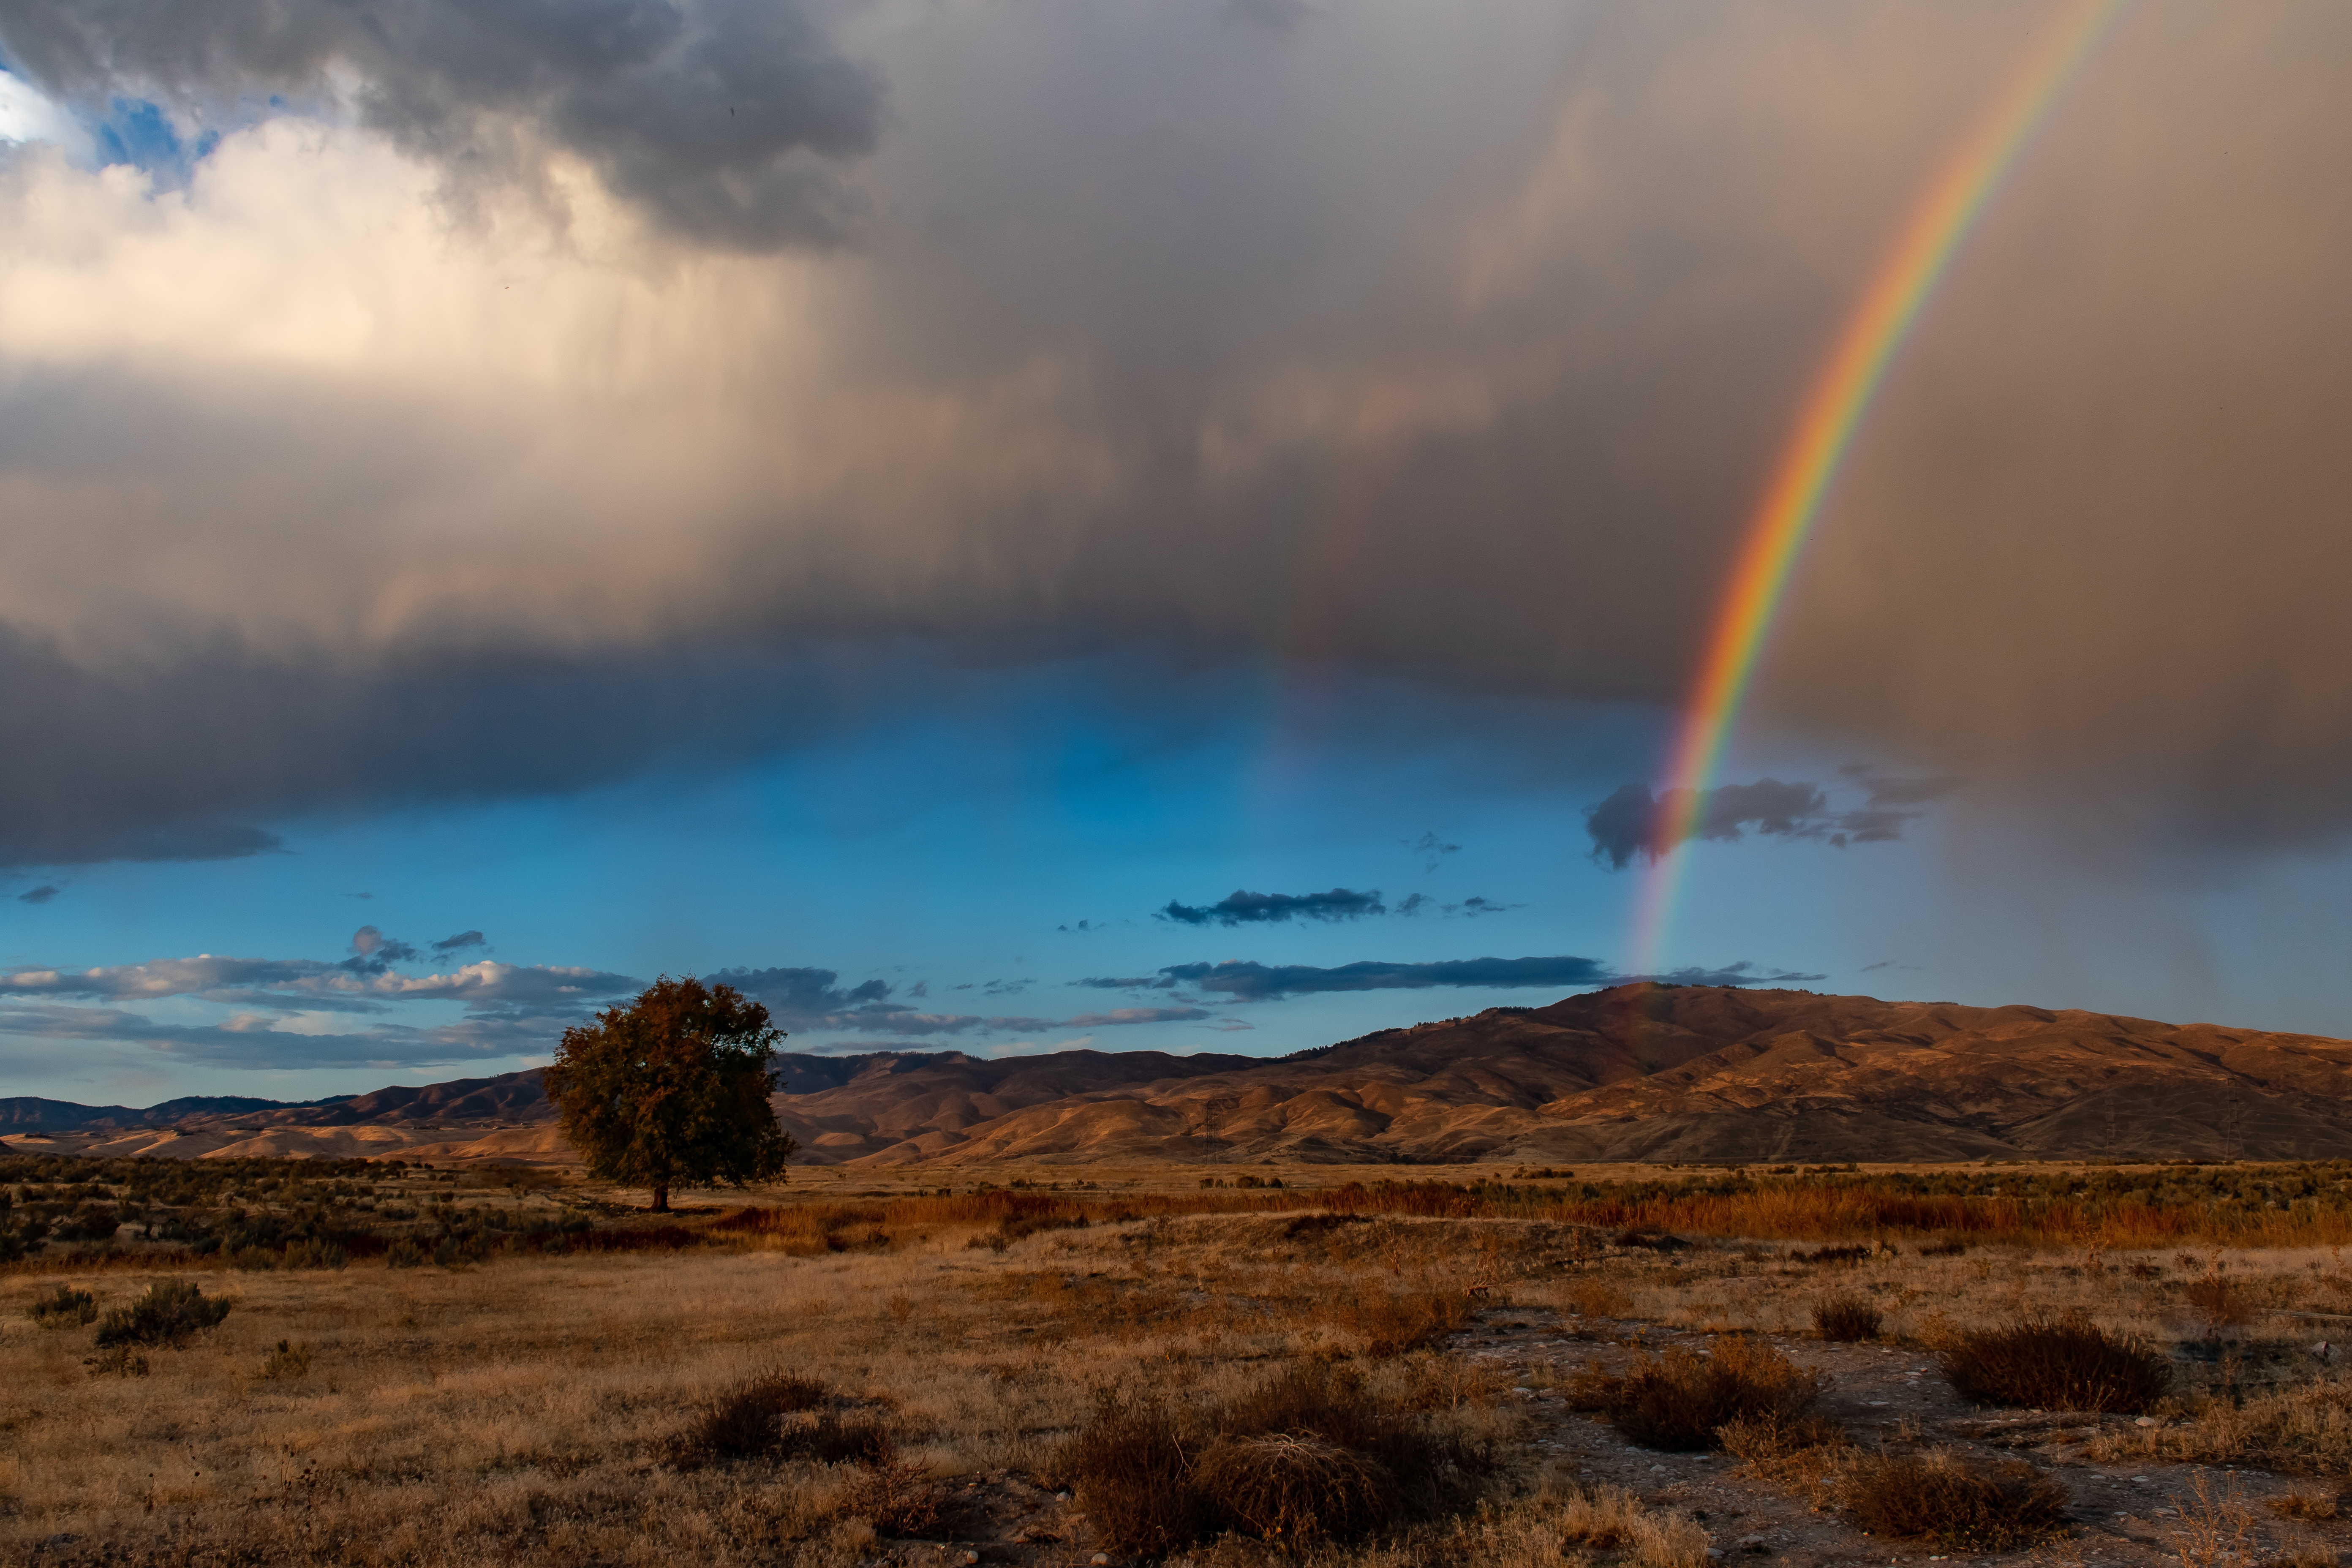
(1636, 1072)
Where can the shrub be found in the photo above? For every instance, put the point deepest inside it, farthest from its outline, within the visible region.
(171, 1314)
(286, 1360)
(2055, 1363)
(2314, 1506)
(64, 1308)
(1846, 1318)
(1128, 1466)
(1933, 1497)
(1432, 1467)
(895, 1498)
(1316, 1224)
(1832, 1255)
(403, 1254)
(1598, 1299)
(1391, 1325)
(2221, 1303)
(1609, 1520)
(1309, 1453)
(1681, 1399)
(831, 1440)
(1293, 1486)
(314, 1253)
(1951, 1247)
(120, 1362)
(747, 1421)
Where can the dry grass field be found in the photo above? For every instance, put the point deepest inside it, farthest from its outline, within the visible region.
(1651, 1367)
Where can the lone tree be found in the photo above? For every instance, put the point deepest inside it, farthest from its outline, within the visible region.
(672, 1091)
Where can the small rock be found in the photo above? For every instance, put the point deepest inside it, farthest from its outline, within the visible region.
(1715, 1554)
(1100, 1560)
(972, 1557)
(2323, 1350)
(2145, 1421)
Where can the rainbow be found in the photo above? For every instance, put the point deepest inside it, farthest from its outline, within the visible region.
(1833, 412)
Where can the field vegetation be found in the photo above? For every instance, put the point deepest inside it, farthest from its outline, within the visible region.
(267, 1362)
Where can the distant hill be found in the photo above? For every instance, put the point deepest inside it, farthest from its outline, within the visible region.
(1636, 1072)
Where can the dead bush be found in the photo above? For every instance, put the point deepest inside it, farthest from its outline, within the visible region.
(1294, 1487)
(1607, 1519)
(2214, 1531)
(1762, 1439)
(1682, 1399)
(1950, 1246)
(1804, 1456)
(747, 1420)
(289, 1360)
(1391, 1325)
(1128, 1464)
(64, 1308)
(1436, 1468)
(895, 1498)
(1854, 1253)
(1316, 1224)
(2222, 1303)
(1933, 1497)
(831, 1440)
(1311, 1452)
(172, 1312)
(1598, 1299)
(2313, 1506)
(120, 1362)
(2066, 1363)
(1847, 1319)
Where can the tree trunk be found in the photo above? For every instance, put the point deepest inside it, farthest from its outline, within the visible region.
(661, 1197)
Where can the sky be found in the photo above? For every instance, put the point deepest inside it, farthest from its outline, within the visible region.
(1188, 526)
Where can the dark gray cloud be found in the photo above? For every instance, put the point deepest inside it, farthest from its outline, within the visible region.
(1249, 982)
(1545, 285)
(1246, 981)
(1244, 907)
(180, 760)
(459, 943)
(725, 120)
(40, 895)
(1632, 823)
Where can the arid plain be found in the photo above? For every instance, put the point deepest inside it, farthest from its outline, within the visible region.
(502, 1366)
(1372, 1320)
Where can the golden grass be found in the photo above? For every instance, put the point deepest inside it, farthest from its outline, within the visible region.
(528, 1407)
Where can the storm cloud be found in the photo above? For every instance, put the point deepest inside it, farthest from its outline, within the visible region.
(1632, 823)
(724, 120)
(1452, 346)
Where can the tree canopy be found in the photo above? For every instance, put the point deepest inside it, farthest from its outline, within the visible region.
(672, 1091)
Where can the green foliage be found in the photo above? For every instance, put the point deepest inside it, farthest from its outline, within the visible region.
(171, 1314)
(672, 1091)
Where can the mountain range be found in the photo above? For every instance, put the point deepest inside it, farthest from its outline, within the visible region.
(1644, 1073)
